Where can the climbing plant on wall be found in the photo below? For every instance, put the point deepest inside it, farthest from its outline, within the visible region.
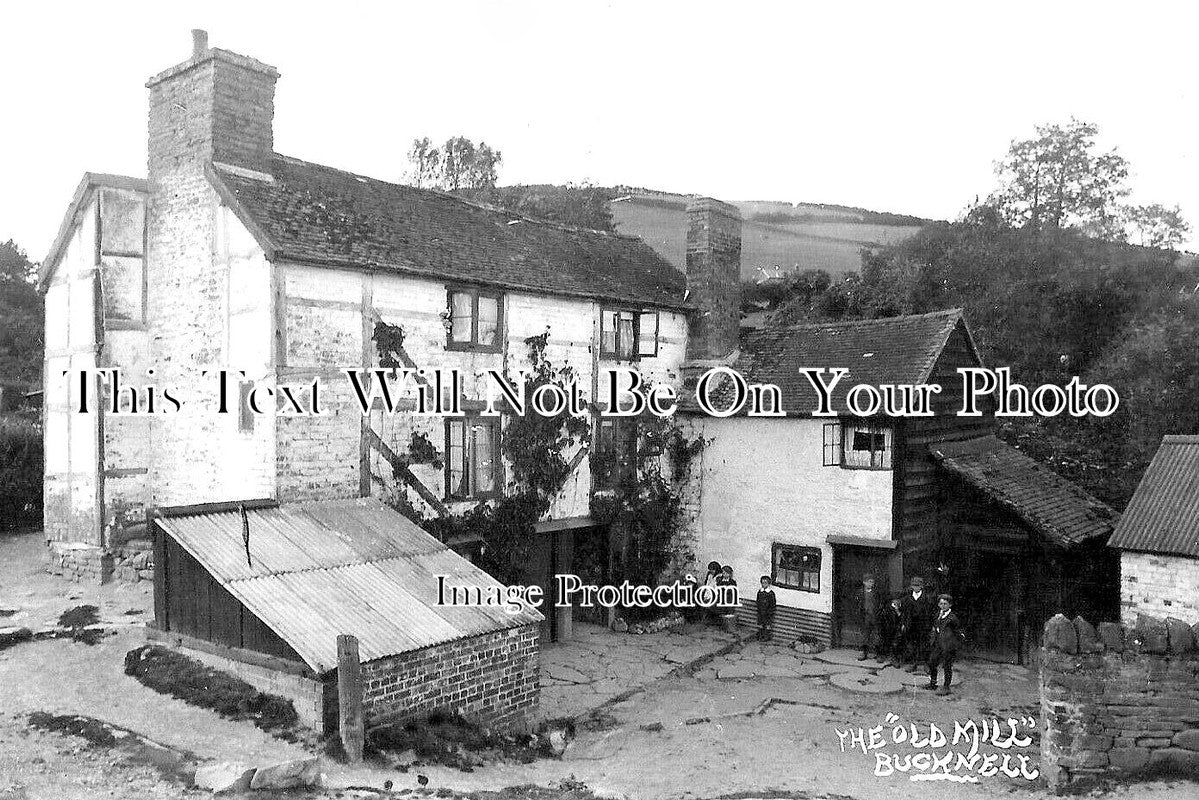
(541, 453)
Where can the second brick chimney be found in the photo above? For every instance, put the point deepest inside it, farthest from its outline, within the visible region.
(713, 278)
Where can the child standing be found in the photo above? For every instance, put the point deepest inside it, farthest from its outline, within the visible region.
(766, 605)
(730, 611)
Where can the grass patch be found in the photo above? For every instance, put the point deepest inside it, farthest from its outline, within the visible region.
(448, 739)
(133, 748)
(75, 621)
(168, 672)
(94, 732)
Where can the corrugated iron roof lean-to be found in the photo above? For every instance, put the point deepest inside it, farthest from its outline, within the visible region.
(1163, 515)
(316, 570)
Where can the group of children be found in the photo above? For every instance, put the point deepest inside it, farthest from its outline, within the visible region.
(912, 626)
(722, 575)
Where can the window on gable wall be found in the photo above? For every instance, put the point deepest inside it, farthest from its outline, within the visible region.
(628, 334)
(474, 320)
(472, 446)
(858, 445)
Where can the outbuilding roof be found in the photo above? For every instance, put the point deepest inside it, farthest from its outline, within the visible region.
(1163, 515)
(319, 215)
(892, 350)
(312, 571)
(1062, 512)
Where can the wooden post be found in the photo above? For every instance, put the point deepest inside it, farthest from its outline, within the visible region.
(349, 697)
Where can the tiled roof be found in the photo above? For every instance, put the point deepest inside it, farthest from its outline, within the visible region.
(1163, 515)
(1051, 505)
(316, 570)
(319, 215)
(877, 351)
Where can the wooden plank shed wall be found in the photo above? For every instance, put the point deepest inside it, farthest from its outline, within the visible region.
(189, 601)
(916, 484)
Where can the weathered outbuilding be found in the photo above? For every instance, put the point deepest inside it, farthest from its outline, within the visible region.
(1158, 537)
(265, 589)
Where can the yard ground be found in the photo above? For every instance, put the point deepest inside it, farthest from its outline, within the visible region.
(757, 721)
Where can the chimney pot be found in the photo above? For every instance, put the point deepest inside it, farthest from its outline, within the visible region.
(199, 42)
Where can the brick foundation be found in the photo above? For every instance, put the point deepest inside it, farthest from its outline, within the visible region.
(493, 679)
(1118, 701)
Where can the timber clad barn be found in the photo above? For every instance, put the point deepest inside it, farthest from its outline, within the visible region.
(818, 502)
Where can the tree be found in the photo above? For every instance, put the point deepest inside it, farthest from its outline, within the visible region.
(1059, 179)
(1156, 226)
(425, 160)
(579, 204)
(20, 318)
(458, 165)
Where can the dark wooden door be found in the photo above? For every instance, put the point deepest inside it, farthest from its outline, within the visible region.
(552, 554)
(850, 565)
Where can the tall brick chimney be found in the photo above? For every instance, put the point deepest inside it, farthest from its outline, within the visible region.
(215, 106)
(713, 277)
(218, 107)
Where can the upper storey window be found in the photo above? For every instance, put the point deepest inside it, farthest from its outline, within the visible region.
(475, 320)
(627, 334)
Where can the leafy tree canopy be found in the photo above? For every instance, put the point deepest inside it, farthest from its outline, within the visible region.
(20, 318)
(459, 164)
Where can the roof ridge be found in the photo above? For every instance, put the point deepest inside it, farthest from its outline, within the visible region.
(849, 323)
(488, 207)
(1180, 438)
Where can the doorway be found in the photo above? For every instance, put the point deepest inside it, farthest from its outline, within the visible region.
(850, 565)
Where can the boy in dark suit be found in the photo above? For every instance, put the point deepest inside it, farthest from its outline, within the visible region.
(766, 606)
(918, 612)
(945, 639)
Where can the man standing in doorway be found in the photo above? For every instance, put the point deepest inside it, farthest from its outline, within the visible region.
(918, 618)
(869, 611)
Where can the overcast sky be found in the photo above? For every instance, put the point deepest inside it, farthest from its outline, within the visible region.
(898, 107)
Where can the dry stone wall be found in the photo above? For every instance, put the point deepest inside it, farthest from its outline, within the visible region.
(1119, 701)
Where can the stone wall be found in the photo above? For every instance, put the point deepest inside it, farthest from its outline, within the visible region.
(493, 679)
(1119, 701)
(79, 561)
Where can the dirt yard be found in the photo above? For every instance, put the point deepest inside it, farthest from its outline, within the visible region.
(758, 722)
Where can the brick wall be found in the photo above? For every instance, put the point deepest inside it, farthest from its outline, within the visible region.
(492, 679)
(1166, 586)
(714, 277)
(1118, 701)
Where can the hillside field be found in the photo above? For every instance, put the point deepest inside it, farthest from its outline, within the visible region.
(814, 238)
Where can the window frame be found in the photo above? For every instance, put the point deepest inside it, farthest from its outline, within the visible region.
(474, 345)
(871, 429)
(623, 471)
(469, 421)
(635, 350)
(776, 548)
(836, 443)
